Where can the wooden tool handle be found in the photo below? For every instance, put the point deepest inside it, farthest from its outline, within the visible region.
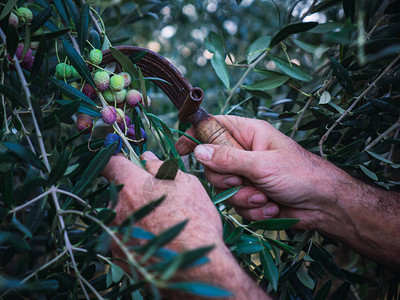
(210, 131)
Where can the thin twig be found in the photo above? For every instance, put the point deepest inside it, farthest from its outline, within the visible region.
(372, 31)
(296, 125)
(383, 135)
(55, 259)
(308, 11)
(348, 110)
(30, 202)
(67, 241)
(130, 257)
(74, 196)
(237, 85)
(4, 106)
(28, 98)
(396, 134)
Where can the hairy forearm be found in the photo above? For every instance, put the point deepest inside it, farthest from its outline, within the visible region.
(366, 218)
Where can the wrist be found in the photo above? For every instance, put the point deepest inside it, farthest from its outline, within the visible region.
(224, 271)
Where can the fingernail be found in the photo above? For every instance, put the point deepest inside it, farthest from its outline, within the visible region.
(257, 199)
(270, 211)
(148, 155)
(231, 181)
(203, 153)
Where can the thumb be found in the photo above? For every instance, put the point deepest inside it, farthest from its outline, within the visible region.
(152, 162)
(227, 160)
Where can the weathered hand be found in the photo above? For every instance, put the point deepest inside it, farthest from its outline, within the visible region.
(185, 199)
(277, 166)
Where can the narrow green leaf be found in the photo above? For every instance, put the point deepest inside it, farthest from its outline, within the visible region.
(257, 48)
(248, 247)
(125, 62)
(7, 8)
(214, 43)
(141, 213)
(25, 154)
(61, 9)
(292, 70)
(225, 195)
(326, 259)
(160, 240)
(168, 169)
(305, 279)
(94, 169)
(369, 173)
(280, 245)
(72, 10)
(61, 114)
(273, 224)
(136, 57)
(7, 187)
(291, 29)
(323, 292)
(41, 18)
(349, 7)
(94, 39)
(83, 26)
(267, 84)
(83, 108)
(13, 95)
(143, 90)
(59, 169)
(39, 57)
(200, 289)
(12, 40)
(325, 98)
(343, 77)
(26, 190)
(269, 267)
(70, 91)
(77, 61)
(27, 40)
(305, 46)
(51, 35)
(117, 273)
(373, 154)
(218, 63)
(21, 227)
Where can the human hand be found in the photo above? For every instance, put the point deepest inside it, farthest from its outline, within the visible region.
(185, 199)
(279, 169)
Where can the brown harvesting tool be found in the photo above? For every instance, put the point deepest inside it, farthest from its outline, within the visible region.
(186, 98)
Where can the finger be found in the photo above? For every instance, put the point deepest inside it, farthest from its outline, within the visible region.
(268, 211)
(222, 181)
(185, 145)
(248, 197)
(227, 160)
(152, 162)
(119, 169)
(253, 134)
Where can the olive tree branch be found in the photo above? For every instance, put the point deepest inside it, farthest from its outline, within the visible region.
(28, 98)
(55, 259)
(296, 125)
(30, 202)
(350, 108)
(130, 257)
(383, 135)
(67, 241)
(237, 85)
